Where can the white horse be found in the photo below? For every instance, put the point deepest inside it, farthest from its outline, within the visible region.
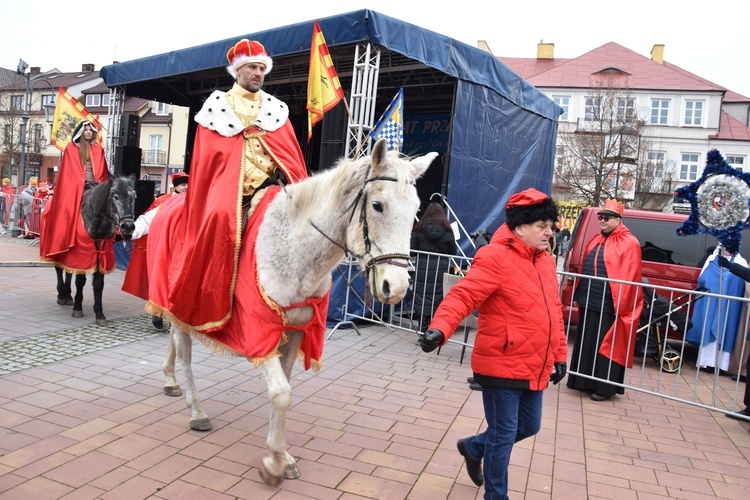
(366, 207)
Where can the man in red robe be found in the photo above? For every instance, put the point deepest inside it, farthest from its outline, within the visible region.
(244, 142)
(64, 241)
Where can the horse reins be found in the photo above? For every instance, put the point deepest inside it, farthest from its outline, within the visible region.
(396, 259)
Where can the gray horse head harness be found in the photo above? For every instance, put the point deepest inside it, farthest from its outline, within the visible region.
(396, 259)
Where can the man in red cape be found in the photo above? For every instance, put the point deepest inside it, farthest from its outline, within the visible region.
(64, 241)
(244, 142)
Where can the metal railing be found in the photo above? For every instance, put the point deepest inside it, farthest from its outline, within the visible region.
(665, 364)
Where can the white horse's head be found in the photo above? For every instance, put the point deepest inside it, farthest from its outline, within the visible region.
(382, 219)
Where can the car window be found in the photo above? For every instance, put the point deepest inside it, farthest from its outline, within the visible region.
(660, 243)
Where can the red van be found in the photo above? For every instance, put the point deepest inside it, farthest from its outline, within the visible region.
(667, 259)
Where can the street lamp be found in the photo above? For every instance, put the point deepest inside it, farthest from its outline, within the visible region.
(49, 116)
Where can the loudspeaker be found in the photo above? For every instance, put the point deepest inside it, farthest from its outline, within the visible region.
(130, 130)
(128, 161)
(144, 191)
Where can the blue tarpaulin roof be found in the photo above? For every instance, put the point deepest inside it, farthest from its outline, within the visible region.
(503, 128)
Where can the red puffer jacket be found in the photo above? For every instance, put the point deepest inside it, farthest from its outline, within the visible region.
(520, 334)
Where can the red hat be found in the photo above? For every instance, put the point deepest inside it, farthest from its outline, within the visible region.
(246, 51)
(612, 207)
(525, 198)
(179, 178)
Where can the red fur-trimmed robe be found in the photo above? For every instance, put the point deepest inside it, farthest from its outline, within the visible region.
(64, 241)
(196, 271)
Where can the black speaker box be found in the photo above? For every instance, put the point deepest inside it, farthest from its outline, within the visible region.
(128, 161)
(144, 191)
(130, 130)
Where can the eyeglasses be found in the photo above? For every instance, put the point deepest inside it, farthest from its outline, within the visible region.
(604, 218)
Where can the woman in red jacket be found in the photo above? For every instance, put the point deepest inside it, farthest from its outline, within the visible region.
(520, 344)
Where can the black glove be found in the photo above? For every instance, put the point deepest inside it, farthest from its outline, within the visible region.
(431, 340)
(723, 261)
(560, 370)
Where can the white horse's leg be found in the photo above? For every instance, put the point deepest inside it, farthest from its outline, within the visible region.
(171, 387)
(280, 464)
(183, 344)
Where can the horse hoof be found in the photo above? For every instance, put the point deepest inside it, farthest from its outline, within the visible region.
(77, 314)
(202, 424)
(172, 390)
(102, 322)
(64, 302)
(268, 478)
(291, 471)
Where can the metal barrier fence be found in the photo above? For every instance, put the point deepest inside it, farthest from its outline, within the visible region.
(28, 225)
(665, 364)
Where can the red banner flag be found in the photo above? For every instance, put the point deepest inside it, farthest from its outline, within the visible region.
(323, 87)
(68, 114)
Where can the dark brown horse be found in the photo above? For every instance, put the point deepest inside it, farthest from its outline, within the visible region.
(106, 207)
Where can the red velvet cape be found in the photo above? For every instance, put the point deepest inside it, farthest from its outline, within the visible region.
(622, 258)
(64, 241)
(204, 261)
(135, 281)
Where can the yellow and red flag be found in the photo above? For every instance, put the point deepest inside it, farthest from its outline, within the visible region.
(323, 87)
(68, 114)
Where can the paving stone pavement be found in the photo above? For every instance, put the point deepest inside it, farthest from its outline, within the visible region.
(83, 416)
(36, 350)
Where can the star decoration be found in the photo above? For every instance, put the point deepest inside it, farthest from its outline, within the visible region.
(719, 203)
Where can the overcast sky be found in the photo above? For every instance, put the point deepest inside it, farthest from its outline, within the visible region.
(709, 39)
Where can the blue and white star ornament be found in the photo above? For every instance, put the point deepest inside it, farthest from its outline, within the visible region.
(719, 203)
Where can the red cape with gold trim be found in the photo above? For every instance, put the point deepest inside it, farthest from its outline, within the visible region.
(202, 266)
(64, 240)
(135, 281)
(622, 258)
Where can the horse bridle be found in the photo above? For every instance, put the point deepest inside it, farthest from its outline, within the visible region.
(395, 259)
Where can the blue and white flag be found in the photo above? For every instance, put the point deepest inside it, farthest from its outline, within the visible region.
(390, 126)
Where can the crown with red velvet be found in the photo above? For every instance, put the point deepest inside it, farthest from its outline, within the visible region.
(612, 207)
(247, 51)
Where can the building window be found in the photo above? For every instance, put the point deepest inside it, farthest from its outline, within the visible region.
(592, 109)
(564, 102)
(659, 111)
(655, 165)
(8, 133)
(48, 100)
(93, 100)
(694, 112)
(161, 108)
(689, 166)
(38, 142)
(16, 103)
(736, 161)
(105, 100)
(625, 109)
(155, 151)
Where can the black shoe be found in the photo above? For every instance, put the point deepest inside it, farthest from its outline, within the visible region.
(473, 467)
(741, 377)
(157, 322)
(709, 369)
(736, 416)
(475, 386)
(470, 380)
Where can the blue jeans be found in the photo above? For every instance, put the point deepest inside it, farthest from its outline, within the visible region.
(512, 415)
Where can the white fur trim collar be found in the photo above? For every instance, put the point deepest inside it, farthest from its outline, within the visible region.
(217, 115)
